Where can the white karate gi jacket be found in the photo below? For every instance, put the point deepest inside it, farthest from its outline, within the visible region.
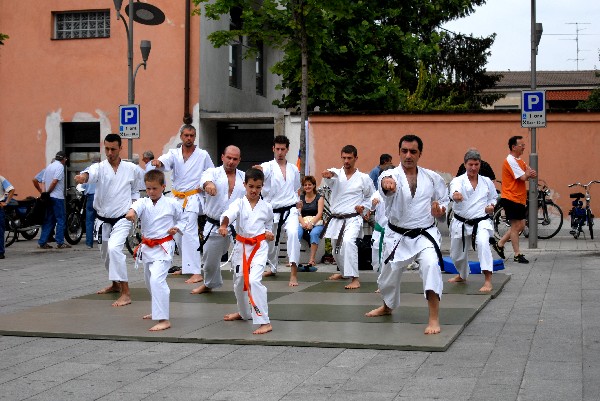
(114, 191)
(404, 211)
(280, 192)
(156, 220)
(215, 205)
(473, 204)
(346, 195)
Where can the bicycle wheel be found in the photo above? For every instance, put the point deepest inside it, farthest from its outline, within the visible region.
(590, 219)
(30, 234)
(501, 225)
(10, 231)
(134, 238)
(550, 221)
(73, 229)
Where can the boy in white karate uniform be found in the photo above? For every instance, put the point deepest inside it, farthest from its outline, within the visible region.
(254, 223)
(161, 218)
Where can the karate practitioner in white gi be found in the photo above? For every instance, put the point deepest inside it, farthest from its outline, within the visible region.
(281, 186)
(351, 193)
(187, 163)
(414, 196)
(475, 197)
(117, 182)
(222, 186)
(161, 218)
(253, 218)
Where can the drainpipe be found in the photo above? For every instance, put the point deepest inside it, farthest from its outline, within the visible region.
(187, 117)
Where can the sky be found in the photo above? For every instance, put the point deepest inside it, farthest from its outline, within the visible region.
(511, 21)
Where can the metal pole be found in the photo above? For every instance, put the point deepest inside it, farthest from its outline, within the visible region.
(533, 156)
(130, 95)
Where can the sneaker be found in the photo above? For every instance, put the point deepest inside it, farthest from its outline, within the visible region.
(520, 258)
(2, 256)
(499, 249)
(63, 246)
(45, 246)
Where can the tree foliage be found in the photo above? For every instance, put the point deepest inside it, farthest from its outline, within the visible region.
(593, 102)
(367, 54)
(3, 37)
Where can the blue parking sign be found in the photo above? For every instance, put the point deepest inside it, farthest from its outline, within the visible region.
(533, 109)
(129, 121)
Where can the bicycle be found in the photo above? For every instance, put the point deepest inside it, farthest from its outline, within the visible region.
(581, 216)
(549, 216)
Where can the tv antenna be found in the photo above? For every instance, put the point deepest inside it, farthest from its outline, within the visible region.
(577, 30)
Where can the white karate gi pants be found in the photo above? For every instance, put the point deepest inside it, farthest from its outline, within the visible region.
(347, 259)
(155, 275)
(375, 238)
(391, 274)
(460, 257)
(257, 289)
(290, 228)
(188, 244)
(111, 249)
(214, 248)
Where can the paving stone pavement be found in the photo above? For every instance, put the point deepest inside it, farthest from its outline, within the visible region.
(538, 340)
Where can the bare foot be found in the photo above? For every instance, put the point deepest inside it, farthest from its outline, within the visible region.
(293, 282)
(176, 272)
(457, 279)
(268, 273)
(195, 278)
(487, 287)
(377, 291)
(147, 317)
(162, 325)
(232, 316)
(354, 284)
(200, 290)
(433, 328)
(336, 276)
(263, 329)
(122, 301)
(381, 311)
(111, 288)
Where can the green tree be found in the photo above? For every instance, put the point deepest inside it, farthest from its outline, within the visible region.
(341, 55)
(593, 101)
(3, 37)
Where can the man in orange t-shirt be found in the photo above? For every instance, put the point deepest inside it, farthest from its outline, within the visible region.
(514, 196)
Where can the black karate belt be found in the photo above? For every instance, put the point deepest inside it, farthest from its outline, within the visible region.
(414, 233)
(214, 222)
(471, 222)
(338, 241)
(284, 213)
(110, 220)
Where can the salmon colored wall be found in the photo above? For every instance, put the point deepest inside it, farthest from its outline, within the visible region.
(39, 76)
(568, 147)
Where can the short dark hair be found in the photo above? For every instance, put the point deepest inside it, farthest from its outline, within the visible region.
(187, 126)
(282, 140)
(384, 158)
(512, 141)
(254, 174)
(411, 138)
(350, 149)
(113, 138)
(155, 176)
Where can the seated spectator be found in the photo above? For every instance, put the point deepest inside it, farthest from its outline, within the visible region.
(311, 216)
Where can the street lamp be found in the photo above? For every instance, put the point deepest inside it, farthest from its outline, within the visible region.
(146, 14)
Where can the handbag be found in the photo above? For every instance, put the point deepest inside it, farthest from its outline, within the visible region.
(308, 219)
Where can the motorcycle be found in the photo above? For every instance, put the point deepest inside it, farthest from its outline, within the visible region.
(23, 218)
(75, 223)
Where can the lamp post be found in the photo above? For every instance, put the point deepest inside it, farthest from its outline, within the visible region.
(536, 36)
(146, 14)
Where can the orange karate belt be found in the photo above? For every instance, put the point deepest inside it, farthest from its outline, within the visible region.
(184, 195)
(152, 242)
(255, 242)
